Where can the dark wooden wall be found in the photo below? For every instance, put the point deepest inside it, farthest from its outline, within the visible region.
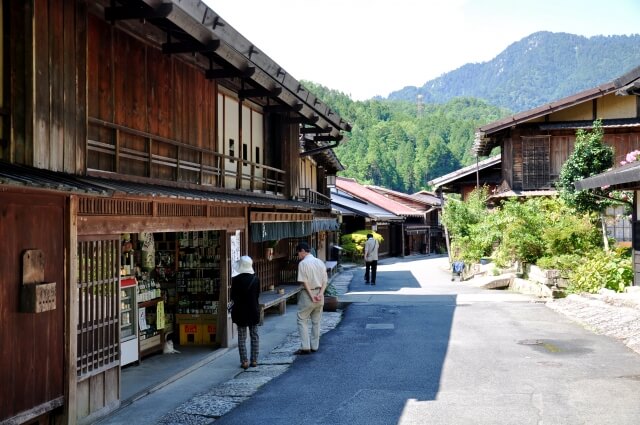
(135, 85)
(32, 354)
(48, 132)
(561, 147)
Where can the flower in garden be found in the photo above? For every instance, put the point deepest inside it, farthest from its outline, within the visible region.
(632, 156)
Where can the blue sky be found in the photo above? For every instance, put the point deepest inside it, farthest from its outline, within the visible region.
(373, 47)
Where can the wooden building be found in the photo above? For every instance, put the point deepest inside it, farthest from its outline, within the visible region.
(422, 234)
(357, 214)
(535, 144)
(626, 176)
(396, 233)
(144, 144)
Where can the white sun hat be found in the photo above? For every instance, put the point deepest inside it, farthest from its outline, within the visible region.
(244, 265)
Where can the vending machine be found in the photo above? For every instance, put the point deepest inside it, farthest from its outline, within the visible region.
(128, 321)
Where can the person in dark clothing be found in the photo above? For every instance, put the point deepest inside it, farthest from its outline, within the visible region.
(245, 313)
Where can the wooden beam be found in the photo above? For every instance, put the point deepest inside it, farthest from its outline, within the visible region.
(213, 74)
(119, 13)
(191, 46)
(301, 119)
(327, 138)
(259, 92)
(107, 225)
(319, 149)
(313, 130)
(281, 107)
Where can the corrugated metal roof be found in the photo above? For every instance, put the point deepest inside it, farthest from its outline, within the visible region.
(359, 191)
(623, 177)
(470, 169)
(350, 205)
(19, 175)
(426, 200)
(524, 193)
(427, 196)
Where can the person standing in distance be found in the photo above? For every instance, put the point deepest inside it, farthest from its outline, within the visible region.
(245, 313)
(370, 259)
(312, 275)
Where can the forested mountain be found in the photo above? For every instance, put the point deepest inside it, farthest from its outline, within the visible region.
(395, 145)
(538, 69)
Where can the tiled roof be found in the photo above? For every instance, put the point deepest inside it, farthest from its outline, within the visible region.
(364, 193)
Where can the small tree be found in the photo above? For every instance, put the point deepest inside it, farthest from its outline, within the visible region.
(590, 157)
(353, 243)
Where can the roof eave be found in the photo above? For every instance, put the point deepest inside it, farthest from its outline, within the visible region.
(625, 177)
(200, 22)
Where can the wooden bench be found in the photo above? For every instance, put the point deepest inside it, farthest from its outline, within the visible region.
(332, 266)
(270, 299)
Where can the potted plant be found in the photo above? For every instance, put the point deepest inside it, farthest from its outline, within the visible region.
(270, 249)
(330, 298)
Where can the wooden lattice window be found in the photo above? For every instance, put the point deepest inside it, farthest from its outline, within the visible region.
(98, 294)
(536, 163)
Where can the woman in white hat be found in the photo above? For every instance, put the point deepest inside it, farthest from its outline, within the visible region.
(245, 313)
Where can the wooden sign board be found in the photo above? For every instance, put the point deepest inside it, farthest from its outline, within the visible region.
(36, 295)
(32, 266)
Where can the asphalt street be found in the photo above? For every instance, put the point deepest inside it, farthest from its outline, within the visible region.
(420, 349)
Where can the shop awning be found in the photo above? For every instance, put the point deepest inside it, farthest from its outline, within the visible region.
(324, 225)
(270, 226)
(261, 232)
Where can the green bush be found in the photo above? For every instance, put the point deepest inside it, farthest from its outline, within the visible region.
(353, 243)
(567, 231)
(611, 270)
(520, 225)
(565, 263)
(470, 227)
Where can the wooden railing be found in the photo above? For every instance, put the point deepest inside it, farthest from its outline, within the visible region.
(313, 197)
(115, 148)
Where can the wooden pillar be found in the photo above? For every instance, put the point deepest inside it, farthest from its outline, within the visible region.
(224, 325)
(291, 158)
(71, 311)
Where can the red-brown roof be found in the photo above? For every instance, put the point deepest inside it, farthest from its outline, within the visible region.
(356, 189)
(418, 203)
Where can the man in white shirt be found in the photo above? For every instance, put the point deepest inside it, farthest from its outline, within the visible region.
(312, 275)
(370, 259)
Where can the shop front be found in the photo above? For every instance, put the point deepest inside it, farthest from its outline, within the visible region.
(152, 275)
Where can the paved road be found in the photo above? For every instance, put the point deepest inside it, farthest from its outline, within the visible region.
(420, 349)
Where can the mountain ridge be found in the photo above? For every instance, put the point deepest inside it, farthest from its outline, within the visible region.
(538, 69)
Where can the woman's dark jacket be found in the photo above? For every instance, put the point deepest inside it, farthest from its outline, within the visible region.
(245, 290)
